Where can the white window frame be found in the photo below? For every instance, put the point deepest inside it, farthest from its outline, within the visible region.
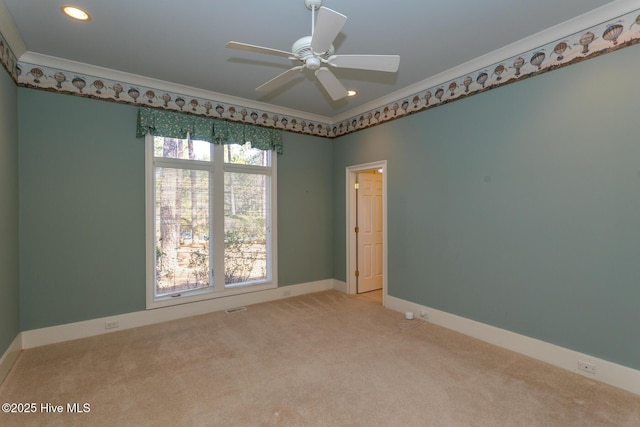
(216, 226)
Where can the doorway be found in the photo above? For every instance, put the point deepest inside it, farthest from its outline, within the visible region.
(367, 228)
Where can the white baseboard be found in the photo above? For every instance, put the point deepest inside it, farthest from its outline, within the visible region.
(9, 357)
(71, 331)
(341, 286)
(607, 372)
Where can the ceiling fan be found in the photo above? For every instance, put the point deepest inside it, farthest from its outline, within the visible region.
(316, 53)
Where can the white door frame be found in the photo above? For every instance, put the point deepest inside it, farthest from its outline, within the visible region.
(350, 181)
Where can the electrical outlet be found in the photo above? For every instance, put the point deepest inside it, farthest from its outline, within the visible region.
(111, 324)
(424, 314)
(586, 367)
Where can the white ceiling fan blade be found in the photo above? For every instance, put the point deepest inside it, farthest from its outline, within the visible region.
(327, 27)
(279, 79)
(331, 84)
(388, 63)
(258, 49)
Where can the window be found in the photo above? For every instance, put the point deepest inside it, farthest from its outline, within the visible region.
(210, 220)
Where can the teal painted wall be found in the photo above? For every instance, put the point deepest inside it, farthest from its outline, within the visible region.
(9, 279)
(519, 207)
(82, 252)
(82, 209)
(305, 219)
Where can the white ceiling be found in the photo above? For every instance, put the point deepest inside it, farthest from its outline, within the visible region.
(183, 41)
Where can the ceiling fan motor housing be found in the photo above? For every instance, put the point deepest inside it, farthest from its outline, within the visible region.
(312, 60)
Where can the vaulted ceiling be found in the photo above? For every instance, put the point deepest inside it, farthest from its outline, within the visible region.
(158, 46)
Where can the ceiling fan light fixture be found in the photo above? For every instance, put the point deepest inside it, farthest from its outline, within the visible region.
(75, 13)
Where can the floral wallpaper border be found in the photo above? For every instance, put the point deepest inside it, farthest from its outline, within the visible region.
(606, 37)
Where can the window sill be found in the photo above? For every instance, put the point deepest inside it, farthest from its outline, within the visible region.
(208, 293)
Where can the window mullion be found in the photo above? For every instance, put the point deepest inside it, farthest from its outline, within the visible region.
(217, 218)
(258, 170)
(181, 164)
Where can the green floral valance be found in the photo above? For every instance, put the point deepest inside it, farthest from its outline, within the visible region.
(177, 125)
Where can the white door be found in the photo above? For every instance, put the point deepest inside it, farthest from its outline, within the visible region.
(369, 235)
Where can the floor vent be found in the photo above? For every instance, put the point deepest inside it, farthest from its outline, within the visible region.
(235, 310)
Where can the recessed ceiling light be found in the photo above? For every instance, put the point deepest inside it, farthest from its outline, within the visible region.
(351, 93)
(76, 13)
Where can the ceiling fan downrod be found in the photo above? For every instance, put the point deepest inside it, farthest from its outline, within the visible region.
(313, 5)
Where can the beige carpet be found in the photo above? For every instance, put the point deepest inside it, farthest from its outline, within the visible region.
(325, 359)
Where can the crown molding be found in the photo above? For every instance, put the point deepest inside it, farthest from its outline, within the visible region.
(161, 85)
(10, 31)
(605, 29)
(560, 31)
(60, 75)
